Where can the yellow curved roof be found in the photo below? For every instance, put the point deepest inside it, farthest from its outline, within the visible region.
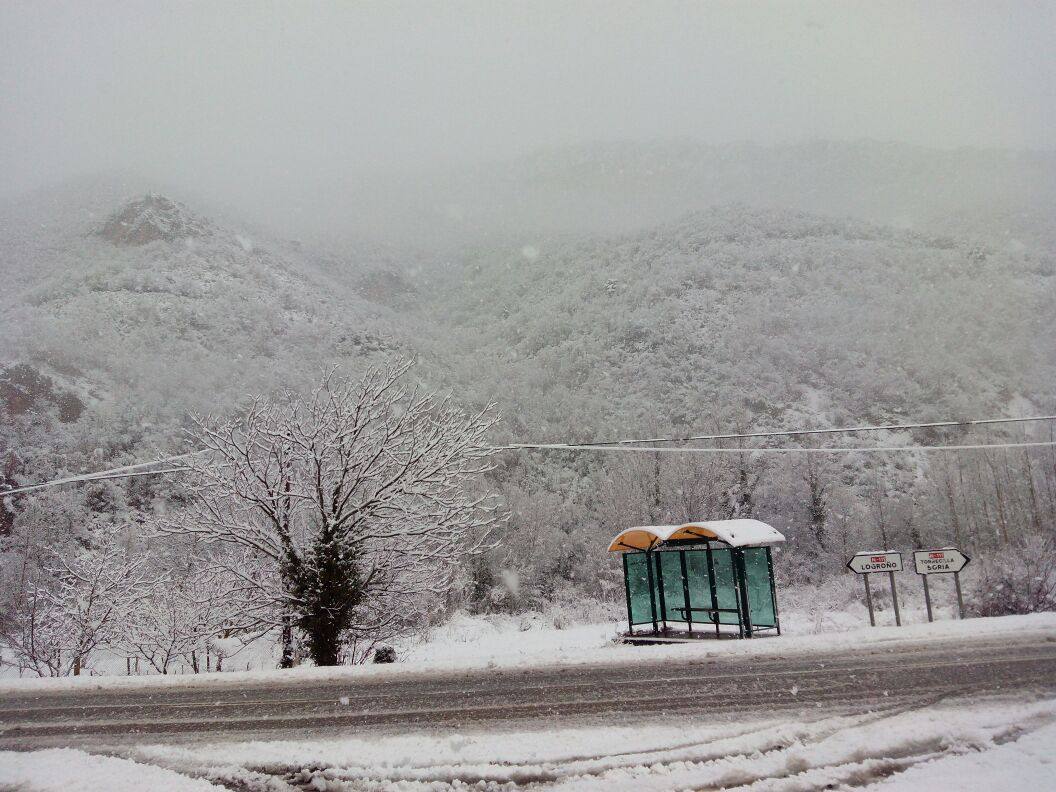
(736, 533)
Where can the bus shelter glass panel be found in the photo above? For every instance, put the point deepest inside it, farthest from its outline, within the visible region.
(725, 586)
(641, 606)
(699, 583)
(670, 565)
(760, 587)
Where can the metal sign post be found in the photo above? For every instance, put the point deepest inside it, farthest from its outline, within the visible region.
(947, 561)
(927, 599)
(894, 593)
(960, 597)
(878, 561)
(869, 601)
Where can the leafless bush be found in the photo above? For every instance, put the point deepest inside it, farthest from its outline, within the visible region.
(1020, 578)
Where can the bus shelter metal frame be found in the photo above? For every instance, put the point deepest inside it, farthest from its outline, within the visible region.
(713, 614)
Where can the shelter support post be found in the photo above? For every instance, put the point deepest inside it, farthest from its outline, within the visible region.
(773, 588)
(660, 588)
(741, 582)
(685, 591)
(652, 590)
(714, 594)
(627, 591)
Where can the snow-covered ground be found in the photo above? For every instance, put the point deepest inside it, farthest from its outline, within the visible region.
(997, 746)
(67, 770)
(474, 643)
(565, 629)
(945, 748)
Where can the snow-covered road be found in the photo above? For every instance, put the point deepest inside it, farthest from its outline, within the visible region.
(883, 706)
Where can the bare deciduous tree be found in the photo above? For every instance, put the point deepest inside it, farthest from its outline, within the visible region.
(194, 608)
(818, 504)
(72, 603)
(354, 500)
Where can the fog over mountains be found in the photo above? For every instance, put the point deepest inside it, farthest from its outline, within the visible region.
(620, 187)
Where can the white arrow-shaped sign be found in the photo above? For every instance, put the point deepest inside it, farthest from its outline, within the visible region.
(875, 561)
(932, 562)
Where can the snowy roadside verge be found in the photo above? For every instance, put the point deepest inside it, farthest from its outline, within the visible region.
(66, 769)
(1009, 744)
(458, 649)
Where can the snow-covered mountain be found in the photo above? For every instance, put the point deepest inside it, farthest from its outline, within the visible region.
(752, 316)
(157, 301)
(732, 314)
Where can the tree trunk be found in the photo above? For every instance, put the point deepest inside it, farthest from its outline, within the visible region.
(324, 643)
(287, 642)
(657, 499)
(1002, 522)
(951, 503)
(1035, 508)
(880, 514)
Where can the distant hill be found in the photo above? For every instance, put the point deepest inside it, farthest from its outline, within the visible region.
(151, 311)
(748, 316)
(732, 314)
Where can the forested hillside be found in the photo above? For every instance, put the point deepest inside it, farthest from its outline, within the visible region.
(155, 301)
(737, 319)
(739, 315)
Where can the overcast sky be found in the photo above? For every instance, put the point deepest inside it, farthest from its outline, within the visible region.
(304, 89)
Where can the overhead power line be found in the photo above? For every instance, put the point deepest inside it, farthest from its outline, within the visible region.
(764, 450)
(127, 471)
(633, 445)
(792, 432)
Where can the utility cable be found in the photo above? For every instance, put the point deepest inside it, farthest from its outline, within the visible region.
(632, 445)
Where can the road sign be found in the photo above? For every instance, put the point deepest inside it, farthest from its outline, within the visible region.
(948, 560)
(864, 563)
(932, 562)
(871, 561)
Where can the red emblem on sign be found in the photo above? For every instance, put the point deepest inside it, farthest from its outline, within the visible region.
(878, 559)
(937, 555)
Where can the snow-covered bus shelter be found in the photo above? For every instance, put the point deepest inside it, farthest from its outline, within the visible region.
(689, 581)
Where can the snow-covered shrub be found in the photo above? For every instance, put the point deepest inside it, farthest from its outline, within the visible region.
(1020, 578)
(820, 608)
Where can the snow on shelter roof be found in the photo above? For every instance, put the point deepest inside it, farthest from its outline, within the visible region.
(736, 533)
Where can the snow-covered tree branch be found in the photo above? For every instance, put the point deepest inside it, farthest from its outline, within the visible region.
(73, 602)
(355, 499)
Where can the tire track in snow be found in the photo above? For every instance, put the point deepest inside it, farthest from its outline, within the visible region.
(526, 775)
(804, 757)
